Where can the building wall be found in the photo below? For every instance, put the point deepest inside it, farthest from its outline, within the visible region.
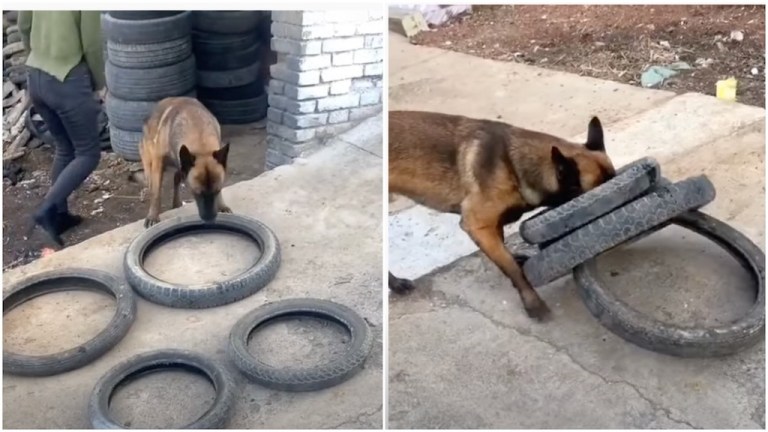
(327, 77)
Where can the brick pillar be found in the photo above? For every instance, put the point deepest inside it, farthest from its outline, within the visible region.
(326, 79)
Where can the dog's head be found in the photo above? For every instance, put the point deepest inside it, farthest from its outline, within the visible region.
(582, 168)
(204, 175)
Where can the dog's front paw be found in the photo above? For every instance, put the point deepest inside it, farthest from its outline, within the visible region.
(151, 220)
(224, 209)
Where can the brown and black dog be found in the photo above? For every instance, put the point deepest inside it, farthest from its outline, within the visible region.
(183, 134)
(490, 173)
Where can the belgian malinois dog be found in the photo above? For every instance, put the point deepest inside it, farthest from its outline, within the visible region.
(183, 134)
(490, 173)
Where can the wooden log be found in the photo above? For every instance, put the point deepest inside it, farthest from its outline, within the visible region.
(18, 111)
(12, 49)
(16, 150)
(14, 99)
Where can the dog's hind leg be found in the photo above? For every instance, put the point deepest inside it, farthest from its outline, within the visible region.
(400, 286)
(485, 230)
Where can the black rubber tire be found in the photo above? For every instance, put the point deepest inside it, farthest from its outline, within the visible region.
(238, 111)
(151, 84)
(147, 56)
(207, 295)
(216, 417)
(630, 182)
(301, 379)
(229, 78)
(628, 222)
(130, 115)
(130, 15)
(675, 340)
(12, 16)
(205, 44)
(146, 31)
(77, 357)
(228, 61)
(226, 22)
(249, 91)
(125, 143)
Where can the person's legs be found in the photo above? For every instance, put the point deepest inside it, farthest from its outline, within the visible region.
(74, 104)
(64, 152)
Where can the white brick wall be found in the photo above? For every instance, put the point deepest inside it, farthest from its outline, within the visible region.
(327, 77)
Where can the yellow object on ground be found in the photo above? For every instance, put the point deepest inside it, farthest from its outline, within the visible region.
(726, 89)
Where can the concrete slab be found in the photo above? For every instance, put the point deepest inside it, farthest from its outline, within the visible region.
(329, 227)
(498, 369)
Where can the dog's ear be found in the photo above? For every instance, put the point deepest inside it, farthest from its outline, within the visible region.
(186, 158)
(221, 155)
(595, 136)
(567, 170)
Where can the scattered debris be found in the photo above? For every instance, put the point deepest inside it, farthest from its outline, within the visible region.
(737, 35)
(726, 89)
(754, 71)
(654, 76)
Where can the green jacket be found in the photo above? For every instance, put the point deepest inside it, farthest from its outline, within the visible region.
(57, 41)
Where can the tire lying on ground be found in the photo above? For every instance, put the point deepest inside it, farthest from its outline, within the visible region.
(631, 181)
(146, 56)
(151, 84)
(226, 22)
(202, 295)
(125, 143)
(683, 341)
(74, 358)
(216, 417)
(309, 378)
(228, 78)
(628, 222)
(146, 31)
(130, 115)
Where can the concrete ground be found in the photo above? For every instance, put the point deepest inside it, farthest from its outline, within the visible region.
(462, 352)
(326, 212)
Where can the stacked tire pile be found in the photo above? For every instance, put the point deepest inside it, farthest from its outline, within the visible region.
(149, 58)
(228, 47)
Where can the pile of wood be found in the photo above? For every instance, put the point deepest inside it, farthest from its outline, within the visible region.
(16, 136)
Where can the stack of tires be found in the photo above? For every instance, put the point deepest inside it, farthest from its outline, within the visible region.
(227, 47)
(149, 58)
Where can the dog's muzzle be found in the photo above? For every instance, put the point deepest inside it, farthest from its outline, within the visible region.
(206, 206)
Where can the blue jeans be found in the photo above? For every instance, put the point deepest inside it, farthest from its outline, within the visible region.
(71, 112)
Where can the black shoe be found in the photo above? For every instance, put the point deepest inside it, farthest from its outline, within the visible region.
(48, 221)
(67, 221)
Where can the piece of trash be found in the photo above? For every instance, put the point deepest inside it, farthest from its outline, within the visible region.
(737, 36)
(726, 89)
(720, 46)
(755, 71)
(665, 44)
(447, 43)
(704, 62)
(655, 76)
(46, 252)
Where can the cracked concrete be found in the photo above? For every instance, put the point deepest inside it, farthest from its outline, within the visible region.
(462, 352)
(329, 229)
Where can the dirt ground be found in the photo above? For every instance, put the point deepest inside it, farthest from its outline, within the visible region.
(108, 199)
(619, 42)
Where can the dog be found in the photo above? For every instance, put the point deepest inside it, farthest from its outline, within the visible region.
(490, 173)
(183, 134)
